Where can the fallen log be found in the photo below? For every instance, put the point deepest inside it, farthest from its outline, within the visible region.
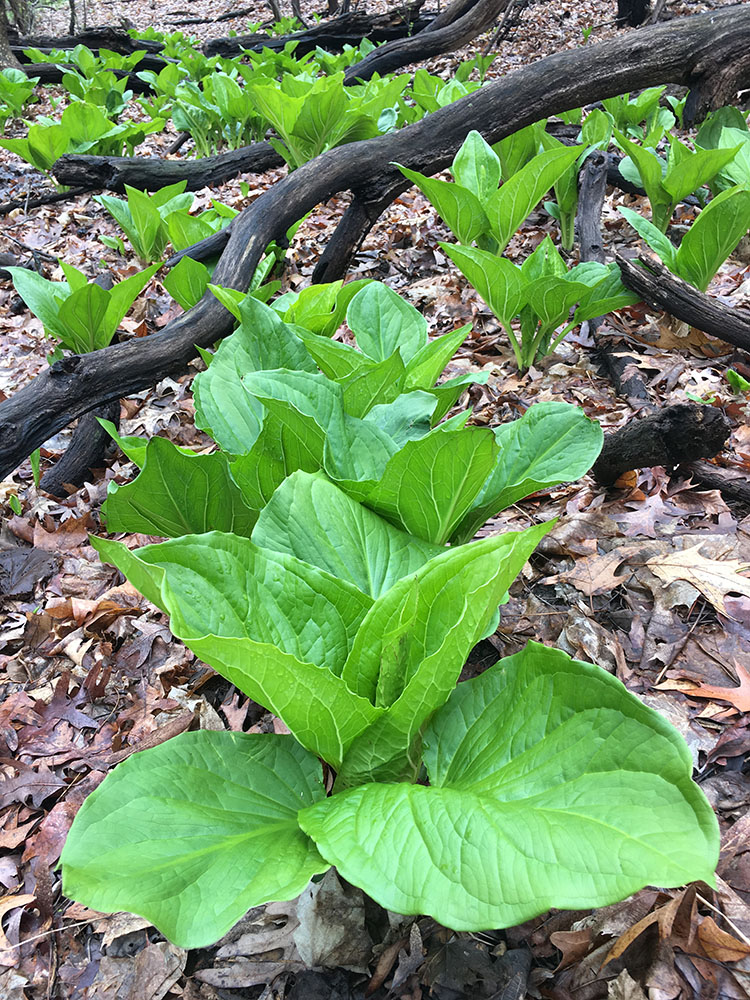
(113, 172)
(333, 35)
(670, 437)
(53, 73)
(84, 453)
(416, 48)
(101, 37)
(692, 50)
(661, 289)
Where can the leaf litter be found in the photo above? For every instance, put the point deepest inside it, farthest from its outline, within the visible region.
(649, 580)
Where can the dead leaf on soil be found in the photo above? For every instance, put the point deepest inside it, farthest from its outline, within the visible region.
(712, 577)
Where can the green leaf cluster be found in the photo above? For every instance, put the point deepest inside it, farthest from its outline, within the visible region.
(549, 784)
(709, 240)
(542, 293)
(77, 312)
(16, 90)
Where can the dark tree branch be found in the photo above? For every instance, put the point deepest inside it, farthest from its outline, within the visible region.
(670, 436)
(569, 79)
(478, 18)
(663, 290)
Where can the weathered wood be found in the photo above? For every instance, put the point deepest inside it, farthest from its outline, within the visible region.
(661, 289)
(333, 35)
(669, 437)
(416, 48)
(101, 37)
(113, 172)
(84, 453)
(731, 483)
(685, 50)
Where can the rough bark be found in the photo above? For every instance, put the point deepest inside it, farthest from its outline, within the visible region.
(349, 29)
(102, 37)
(669, 437)
(425, 44)
(731, 483)
(684, 51)
(114, 172)
(8, 59)
(84, 453)
(663, 290)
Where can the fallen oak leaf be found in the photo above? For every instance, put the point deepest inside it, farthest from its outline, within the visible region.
(738, 696)
(712, 577)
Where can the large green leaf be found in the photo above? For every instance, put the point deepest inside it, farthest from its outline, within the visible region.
(459, 207)
(552, 786)
(231, 415)
(194, 832)
(310, 518)
(82, 316)
(550, 444)
(476, 166)
(41, 296)
(383, 322)
(713, 236)
(497, 280)
(414, 642)
(277, 628)
(514, 201)
(179, 494)
(428, 486)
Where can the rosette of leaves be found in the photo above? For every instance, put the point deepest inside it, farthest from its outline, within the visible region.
(667, 182)
(77, 312)
(549, 784)
(278, 398)
(708, 242)
(474, 208)
(542, 293)
(311, 116)
(83, 128)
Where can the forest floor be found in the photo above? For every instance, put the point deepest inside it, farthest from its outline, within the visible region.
(89, 671)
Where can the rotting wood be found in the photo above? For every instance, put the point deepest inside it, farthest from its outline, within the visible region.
(100, 37)
(670, 437)
(333, 35)
(661, 289)
(416, 48)
(112, 173)
(689, 50)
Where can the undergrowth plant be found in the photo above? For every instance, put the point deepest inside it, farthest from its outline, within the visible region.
(708, 242)
(16, 90)
(77, 312)
(541, 783)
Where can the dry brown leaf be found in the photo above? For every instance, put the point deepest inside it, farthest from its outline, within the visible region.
(738, 696)
(719, 945)
(573, 945)
(712, 577)
(8, 903)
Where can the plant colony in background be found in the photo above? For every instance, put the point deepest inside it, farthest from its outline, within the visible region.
(321, 557)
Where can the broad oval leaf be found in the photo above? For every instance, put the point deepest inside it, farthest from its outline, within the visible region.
(713, 236)
(383, 322)
(476, 166)
(179, 494)
(497, 280)
(224, 408)
(194, 832)
(414, 642)
(277, 628)
(428, 485)
(552, 786)
(310, 518)
(550, 444)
